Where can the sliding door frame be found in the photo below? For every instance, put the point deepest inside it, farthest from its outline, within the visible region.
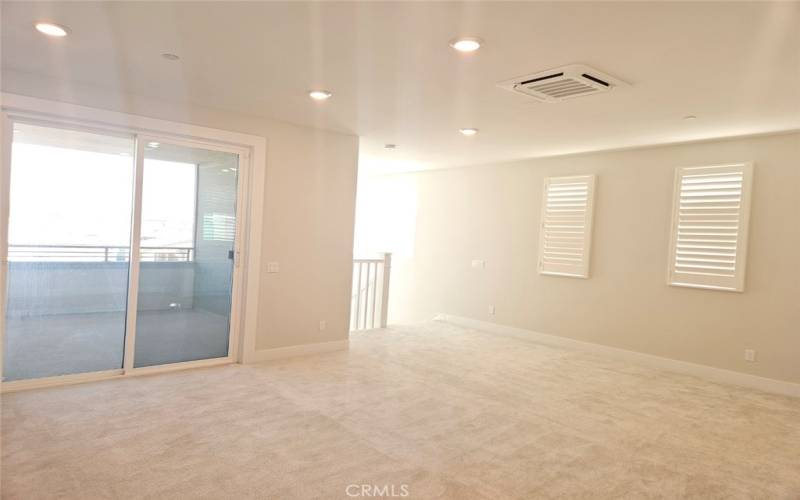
(251, 151)
(243, 156)
(6, 131)
(129, 349)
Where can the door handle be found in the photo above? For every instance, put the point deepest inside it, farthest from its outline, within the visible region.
(234, 256)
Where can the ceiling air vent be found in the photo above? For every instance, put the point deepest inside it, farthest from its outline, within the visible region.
(563, 83)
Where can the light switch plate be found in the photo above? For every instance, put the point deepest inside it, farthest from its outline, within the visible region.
(273, 267)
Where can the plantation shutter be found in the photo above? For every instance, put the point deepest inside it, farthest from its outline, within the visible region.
(566, 229)
(711, 212)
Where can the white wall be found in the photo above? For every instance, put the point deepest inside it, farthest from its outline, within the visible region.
(308, 209)
(492, 213)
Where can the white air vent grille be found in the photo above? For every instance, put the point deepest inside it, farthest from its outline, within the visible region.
(566, 231)
(562, 83)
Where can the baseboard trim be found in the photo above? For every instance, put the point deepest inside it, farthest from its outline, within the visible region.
(297, 350)
(703, 371)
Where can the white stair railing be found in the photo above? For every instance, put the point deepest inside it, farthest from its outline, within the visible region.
(369, 304)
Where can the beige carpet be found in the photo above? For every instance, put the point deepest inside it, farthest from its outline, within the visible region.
(433, 410)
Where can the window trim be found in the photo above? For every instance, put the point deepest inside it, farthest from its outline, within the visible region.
(737, 282)
(584, 273)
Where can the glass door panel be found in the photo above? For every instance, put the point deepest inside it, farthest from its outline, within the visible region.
(69, 245)
(188, 226)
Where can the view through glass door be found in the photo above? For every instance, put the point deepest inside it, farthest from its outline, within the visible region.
(71, 218)
(69, 232)
(186, 259)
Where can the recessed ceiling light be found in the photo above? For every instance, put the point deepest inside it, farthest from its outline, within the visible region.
(51, 29)
(390, 146)
(170, 56)
(690, 117)
(467, 44)
(153, 144)
(468, 131)
(319, 95)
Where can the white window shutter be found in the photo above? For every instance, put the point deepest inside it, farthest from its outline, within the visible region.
(565, 235)
(710, 219)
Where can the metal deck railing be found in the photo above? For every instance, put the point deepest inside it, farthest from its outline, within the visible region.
(88, 253)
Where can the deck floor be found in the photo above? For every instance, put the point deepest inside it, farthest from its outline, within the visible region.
(61, 344)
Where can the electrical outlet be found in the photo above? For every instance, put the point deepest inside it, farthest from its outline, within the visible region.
(273, 267)
(750, 355)
(323, 325)
(491, 310)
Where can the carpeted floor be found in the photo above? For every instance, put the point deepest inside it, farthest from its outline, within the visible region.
(432, 410)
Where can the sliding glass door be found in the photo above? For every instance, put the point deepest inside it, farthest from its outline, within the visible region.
(69, 229)
(186, 255)
(121, 252)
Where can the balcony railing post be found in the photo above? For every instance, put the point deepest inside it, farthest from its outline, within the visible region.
(387, 269)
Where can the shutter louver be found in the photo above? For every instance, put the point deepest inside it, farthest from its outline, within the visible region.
(566, 228)
(709, 230)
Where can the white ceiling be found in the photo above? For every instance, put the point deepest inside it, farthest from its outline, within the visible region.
(736, 66)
